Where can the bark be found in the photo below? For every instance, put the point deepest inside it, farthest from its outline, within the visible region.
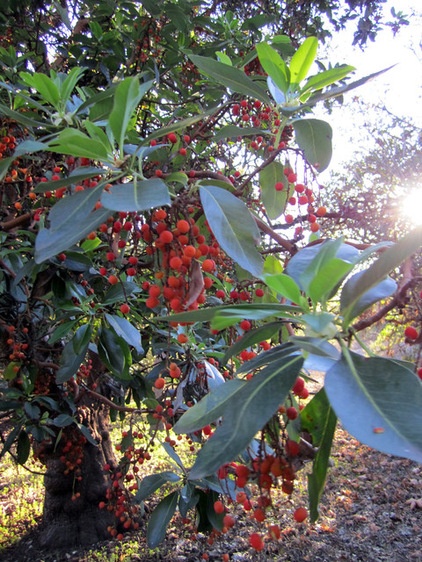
(71, 515)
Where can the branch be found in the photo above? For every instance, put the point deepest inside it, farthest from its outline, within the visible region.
(18, 221)
(398, 300)
(264, 227)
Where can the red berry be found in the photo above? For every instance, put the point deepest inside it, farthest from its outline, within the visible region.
(245, 325)
(300, 514)
(292, 448)
(256, 542)
(411, 333)
(279, 186)
(172, 137)
(291, 413)
(298, 386)
(219, 507)
(124, 308)
(183, 226)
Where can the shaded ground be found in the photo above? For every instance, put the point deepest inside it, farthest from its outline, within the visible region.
(367, 514)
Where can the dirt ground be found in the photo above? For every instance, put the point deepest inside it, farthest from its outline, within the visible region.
(371, 511)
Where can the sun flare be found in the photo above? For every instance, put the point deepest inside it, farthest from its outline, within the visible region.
(412, 206)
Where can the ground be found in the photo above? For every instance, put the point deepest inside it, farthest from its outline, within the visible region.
(369, 512)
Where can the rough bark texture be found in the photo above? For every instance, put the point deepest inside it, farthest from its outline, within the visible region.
(72, 515)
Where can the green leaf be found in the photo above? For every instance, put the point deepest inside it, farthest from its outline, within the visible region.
(316, 346)
(250, 338)
(74, 353)
(276, 354)
(75, 177)
(78, 144)
(68, 85)
(233, 226)
(305, 266)
(302, 61)
(97, 134)
(379, 402)
(209, 409)
(339, 91)
(274, 201)
(160, 518)
(236, 312)
(261, 395)
(150, 484)
(285, 286)
(355, 289)
(29, 147)
(70, 223)
(328, 278)
(136, 196)
(225, 318)
(382, 290)
(114, 353)
(120, 292)
(319, 420)
(23, 447)
(274, 66)
(63, 420)
(13, 435)
(87, 434)
(5, 164)
(314, 137)
(231, 77)
(126, 330)
(327, 77)
(126, 99)
(44, 85)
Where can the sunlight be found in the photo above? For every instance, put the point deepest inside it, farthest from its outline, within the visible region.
(412, 206)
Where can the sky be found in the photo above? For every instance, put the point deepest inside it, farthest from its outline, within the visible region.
(399, 89)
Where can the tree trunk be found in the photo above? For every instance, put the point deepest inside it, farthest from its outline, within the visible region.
(75, 484)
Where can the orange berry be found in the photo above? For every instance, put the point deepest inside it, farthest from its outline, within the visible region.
(208, 265)
(189, 251)
(113, 280)
(159, 383)
(166, 237)
(182, 338)
(183, 226)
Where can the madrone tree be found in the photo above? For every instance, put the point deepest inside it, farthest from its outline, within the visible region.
(147, 149)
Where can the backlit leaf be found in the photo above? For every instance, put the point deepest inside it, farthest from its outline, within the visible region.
(274, 200)
(314, 137)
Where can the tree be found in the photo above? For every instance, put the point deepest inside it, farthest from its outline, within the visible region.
(144, 160)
